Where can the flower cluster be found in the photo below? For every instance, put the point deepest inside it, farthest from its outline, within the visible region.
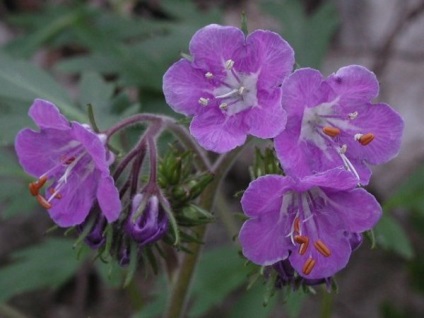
(326, 132)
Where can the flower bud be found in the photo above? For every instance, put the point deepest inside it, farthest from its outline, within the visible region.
(150, 224)
(193, 215)
(95, 237)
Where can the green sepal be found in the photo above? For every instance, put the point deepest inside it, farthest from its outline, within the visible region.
(132, 267)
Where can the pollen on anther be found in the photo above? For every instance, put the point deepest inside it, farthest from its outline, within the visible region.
(301, 239)
(33, 189)
(352, 115)
(43, 202)
(322, 248)
(331, 131)
(308, 266)
(365, 139)
(203, 101)
(296, 225)
(229, 64)
(303, 247)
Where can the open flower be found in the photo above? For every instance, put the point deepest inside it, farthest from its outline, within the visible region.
(231, 86)
(72, 161)
(148, 225)
(331, 122)
(310, 222)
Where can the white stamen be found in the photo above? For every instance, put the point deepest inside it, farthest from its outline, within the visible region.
(223, 106)
(343, 149)
(352, 115)
(203, 101)
(357, 136)
(241, 90)
(208, 75)
(229, 64)
(229, 94)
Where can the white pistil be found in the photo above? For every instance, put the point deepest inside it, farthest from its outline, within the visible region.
(223, 106)
(229, 64)
(203, 101)
(209, 75)
(352, 115)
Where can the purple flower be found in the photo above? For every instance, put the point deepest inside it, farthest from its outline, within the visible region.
(331, 122)
(308, 221)
(151, 225)
(231, 86)
(74, 163)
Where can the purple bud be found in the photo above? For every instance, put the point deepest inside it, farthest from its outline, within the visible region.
(355, 240)
(151, 225)
(95, 238)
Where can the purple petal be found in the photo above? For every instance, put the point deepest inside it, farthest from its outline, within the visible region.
(354, 84)
(263, 240)
(337, 178)
(217, 132)
(47, 115)
(267, 119)
(108, 198)
(38, 152)
(77, 198)
(359, 210)
(212, 45)
(387, 127)
(93, 145)
(269, 53)
(264, 195)
(183, 86)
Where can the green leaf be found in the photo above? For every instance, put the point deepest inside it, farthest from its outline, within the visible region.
(49, 264)
(390, 235)
(22, 81)
(220, 272)
(309, 35)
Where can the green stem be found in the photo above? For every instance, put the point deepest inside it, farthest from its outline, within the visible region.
(326, 305)
(179, 293)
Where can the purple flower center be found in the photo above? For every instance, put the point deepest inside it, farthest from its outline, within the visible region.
(74, 160)
(235, 93)
(323, 125)
(304, 231)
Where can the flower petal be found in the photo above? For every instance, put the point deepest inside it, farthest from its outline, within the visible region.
(387, 127)
(77, 198)
(214, 44)
(263, 241)
(47, 115)
(93, 145)
(354, 84)
(264, 195)
(108, 198)
(359, 210)
(337, 178)
(267, 119)
(217, 132)
(269, 53)
(183, 86)
(38, 152)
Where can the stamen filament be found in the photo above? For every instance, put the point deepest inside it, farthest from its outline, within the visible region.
(322, 248)
(308, 266)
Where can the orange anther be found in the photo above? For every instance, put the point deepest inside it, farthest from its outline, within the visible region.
(43, 202)
(296, 225)
(301, 239)
(366, 139)
(331, 131)
(303, 247)
(322, 248)
(33, 188)
(308, 266)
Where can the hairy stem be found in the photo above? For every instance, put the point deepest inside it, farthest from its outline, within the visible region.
(179, 293)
